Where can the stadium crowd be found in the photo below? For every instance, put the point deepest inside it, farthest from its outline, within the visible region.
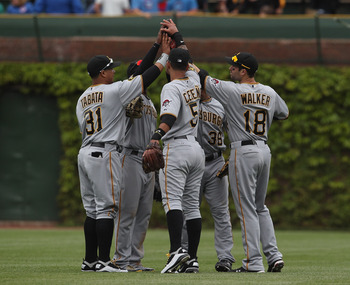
(148, 8)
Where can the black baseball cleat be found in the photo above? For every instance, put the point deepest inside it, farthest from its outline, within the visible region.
(243, 270)
(88, 266)
(276, 266)
(175, 259)
(223, 265)
(190, 266)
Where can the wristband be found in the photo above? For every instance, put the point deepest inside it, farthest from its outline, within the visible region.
(177, 37)
(163, 59)
(158, 134)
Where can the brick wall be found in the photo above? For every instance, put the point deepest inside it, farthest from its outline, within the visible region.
(80, 49)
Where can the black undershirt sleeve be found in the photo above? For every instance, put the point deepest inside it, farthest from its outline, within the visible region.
(148, 59)
(168, 119)
(150, 75)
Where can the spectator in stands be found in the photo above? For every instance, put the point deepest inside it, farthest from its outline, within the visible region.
(325, 6)
(182, 7)
(247, 7)
(272, 7)
(89, 6)
(162, 5)
(145, 7)
(1, 8)
(58, 6)
(112, 7)
(20, 7)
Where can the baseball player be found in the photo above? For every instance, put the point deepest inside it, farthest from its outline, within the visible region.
(215, 190)
(101, 117)
(136, 196)
(184, 158)
(250, 108)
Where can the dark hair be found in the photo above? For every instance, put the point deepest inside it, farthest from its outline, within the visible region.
(250, 72)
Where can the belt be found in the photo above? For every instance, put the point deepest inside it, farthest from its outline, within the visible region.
(212, 156)
(183, 138)
(247, 142)
(137, 152)
(118, 147)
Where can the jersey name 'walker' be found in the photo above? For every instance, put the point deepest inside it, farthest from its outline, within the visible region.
(251, 113)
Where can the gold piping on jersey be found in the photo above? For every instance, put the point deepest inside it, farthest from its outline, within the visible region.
(112, 183)
(119, 215)
(240, 205)
(165, 176)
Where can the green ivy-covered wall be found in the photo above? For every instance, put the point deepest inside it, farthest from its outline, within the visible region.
(309, 182)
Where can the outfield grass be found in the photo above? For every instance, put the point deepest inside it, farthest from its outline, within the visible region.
(54, 256)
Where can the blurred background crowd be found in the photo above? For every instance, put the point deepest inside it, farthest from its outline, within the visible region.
(148, 8)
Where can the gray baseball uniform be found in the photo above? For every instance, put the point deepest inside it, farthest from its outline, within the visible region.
(184, 158)
(214, 189)
(250, 109)
(137, 194)
(101, 117)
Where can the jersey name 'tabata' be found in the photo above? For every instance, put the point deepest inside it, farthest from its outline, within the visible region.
(191, 95)
(253, 98)
(96, 97)
(210, 117)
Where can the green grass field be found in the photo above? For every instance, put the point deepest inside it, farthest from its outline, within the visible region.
(54, 256)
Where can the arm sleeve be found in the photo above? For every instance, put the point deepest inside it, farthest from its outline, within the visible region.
(168, 119)
(150, 75)
(202, 75)
(148, 60)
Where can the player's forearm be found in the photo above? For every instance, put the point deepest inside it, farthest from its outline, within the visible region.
(148, 60)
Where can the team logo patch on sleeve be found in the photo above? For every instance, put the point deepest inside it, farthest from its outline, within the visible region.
(166, 103)
(215, 81)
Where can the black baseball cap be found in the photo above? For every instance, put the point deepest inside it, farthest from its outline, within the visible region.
(100, 62)
(245, 60)
(180, 57)
(132, 67)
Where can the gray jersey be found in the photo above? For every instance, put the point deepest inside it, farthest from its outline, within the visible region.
(250, 108)
(210, 131)
(178, 97)
(101, 107)
(139, 131)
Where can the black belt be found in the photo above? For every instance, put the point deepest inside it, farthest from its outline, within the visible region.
(212, 156)
(248, 142)
(118, 147)
(134, 152)
(183, 138)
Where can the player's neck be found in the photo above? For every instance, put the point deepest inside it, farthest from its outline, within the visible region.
(248, 80)
(177, 74)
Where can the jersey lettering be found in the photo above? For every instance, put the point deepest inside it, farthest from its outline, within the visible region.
(193, 107)
(215, 138)
(191, 94)
(90, 121)
(259, 123)
(210, 117)
(149, 110)
(92, 98)
(255, 98)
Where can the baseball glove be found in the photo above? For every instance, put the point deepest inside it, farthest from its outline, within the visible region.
(223, 171)
(152, 159)
(134, 108)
